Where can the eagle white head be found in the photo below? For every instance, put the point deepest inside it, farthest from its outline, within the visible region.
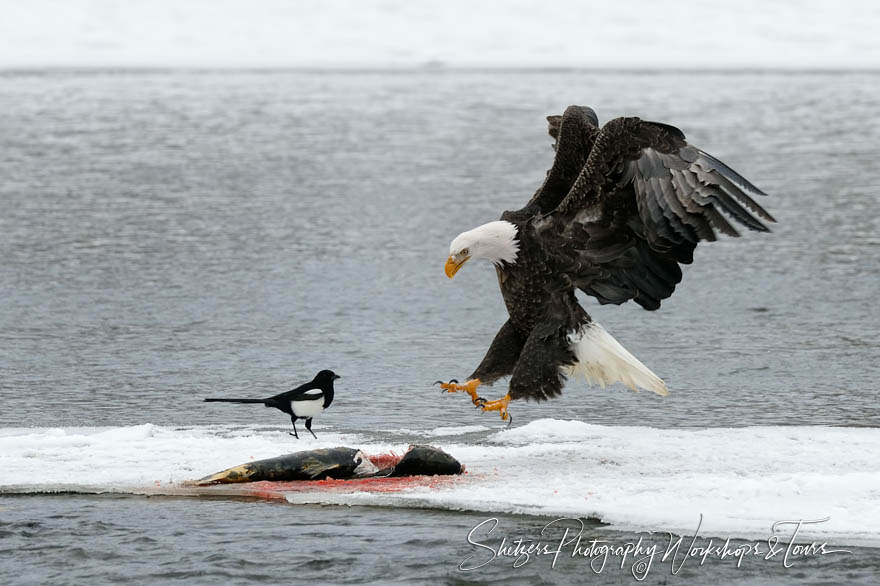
(495, 242)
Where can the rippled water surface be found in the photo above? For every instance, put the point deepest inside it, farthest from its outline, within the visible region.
(157, 541)
(170, 235)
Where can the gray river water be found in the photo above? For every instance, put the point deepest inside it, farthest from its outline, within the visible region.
(170, 235)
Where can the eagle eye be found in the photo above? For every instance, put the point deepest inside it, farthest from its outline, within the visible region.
(465, 251)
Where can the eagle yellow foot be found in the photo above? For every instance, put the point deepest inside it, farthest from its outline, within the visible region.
(499, 405)
(469, 387)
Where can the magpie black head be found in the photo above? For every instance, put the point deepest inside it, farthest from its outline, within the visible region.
(326, 376)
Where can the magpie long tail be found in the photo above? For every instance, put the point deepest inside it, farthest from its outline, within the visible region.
(261, 401)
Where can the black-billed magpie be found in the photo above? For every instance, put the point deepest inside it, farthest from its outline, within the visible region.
(303, 402)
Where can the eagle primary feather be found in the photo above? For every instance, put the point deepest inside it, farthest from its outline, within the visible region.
(620, 209)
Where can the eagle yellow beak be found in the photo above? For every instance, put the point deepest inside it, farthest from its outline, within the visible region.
(452, 266)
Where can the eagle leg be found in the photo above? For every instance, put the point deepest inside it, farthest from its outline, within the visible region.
(499, 405)
(470, 387)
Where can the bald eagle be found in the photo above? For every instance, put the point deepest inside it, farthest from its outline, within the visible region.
(621, 208)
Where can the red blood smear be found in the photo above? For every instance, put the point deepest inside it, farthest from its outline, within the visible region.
(276, 490)
(266, 489)
(382, 461)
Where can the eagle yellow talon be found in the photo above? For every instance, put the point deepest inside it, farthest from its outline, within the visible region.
(499, 405)
(469, 387)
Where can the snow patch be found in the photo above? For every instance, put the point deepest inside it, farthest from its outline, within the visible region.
(459, 430)
(741, 480)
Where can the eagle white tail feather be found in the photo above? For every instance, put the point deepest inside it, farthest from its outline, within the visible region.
(602, 359)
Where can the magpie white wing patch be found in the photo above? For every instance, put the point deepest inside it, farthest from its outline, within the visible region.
(308, 404)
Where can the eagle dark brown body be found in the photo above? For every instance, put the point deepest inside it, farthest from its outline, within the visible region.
(622, 207)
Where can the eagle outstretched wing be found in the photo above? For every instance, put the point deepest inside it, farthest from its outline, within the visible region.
(574, 133)
(623, 205)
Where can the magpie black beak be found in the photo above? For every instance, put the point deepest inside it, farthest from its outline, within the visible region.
(336, 376)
